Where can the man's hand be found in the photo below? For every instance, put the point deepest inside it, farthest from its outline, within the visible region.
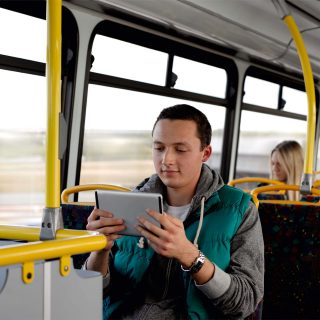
(104, 222)
(170, 240)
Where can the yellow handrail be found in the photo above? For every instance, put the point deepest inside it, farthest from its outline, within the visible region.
(54, 12)
(26, 233)
(68, 242)
(89, 187)
(254, 179)
(316, 183)
(310, 90)
(293, 187)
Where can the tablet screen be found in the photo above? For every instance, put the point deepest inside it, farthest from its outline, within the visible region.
(129, 206)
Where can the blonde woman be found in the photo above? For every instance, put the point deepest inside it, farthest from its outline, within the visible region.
(287, 165)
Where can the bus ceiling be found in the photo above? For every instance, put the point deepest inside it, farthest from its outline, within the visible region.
(252, 29)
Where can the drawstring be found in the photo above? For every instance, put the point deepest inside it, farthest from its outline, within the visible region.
(140, 244)
(195, 241)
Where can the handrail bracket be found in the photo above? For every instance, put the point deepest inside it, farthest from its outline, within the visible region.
(51, 222)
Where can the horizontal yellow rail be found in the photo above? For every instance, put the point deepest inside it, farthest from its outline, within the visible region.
(254, 179)
(316, 184)
(88, 187)
(33, 233)
(68, 242)
(293, 187)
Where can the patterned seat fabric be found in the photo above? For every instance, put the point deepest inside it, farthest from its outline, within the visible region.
(310, 198)
(271, 196)
(75, 217)
(292, 261)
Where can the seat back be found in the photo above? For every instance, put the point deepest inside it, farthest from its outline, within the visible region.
(75, 217)
(292, 260)
(271, 196)
(75, 214)
(88, 187)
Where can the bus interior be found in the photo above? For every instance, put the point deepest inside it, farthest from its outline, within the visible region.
(122, 62)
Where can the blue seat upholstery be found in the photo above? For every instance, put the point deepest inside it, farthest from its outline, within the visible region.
(292, 261)
(75, 217)
(271, 196)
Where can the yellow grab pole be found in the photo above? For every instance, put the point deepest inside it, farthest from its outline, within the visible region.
(26, 233)
(54, 12)
(51, 249)
(309, 84)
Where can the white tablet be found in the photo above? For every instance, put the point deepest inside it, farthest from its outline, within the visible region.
(129, 206)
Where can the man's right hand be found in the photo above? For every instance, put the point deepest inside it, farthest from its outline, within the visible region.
(104, 222)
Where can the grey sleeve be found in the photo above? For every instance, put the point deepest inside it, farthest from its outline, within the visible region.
(105, 278)
(238, 291)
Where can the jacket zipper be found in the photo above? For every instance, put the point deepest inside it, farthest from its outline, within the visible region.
(166, 287)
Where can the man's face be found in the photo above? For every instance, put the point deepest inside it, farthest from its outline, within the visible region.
(177, 154)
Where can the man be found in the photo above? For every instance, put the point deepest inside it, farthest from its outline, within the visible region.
(207, 259)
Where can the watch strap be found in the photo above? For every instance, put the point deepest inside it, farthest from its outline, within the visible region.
(196, 265)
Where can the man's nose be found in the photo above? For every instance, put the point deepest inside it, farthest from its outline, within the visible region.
(168, 157)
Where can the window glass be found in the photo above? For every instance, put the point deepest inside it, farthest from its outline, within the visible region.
(260, 92)
(199, 77)
(117, 139)
(126, 60)
(259, 134)
(22, 147)
(296, 100)
(22, 36)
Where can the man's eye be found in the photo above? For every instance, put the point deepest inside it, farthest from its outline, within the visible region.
(181, 150)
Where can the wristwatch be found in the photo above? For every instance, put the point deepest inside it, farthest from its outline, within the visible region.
(196, 264)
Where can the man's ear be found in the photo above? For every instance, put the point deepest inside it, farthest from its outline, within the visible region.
(207, 151)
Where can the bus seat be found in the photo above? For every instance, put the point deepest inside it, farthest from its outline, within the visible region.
(75, 214)
(75, 217)
(271, 196)
(291, 231)
(310, 198)
(88, 187)
(292, 260)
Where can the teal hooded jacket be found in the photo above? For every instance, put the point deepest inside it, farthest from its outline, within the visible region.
(223, 213)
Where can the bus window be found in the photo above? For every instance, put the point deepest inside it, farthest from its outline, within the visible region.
(261, 92)
(18, 32)
(259, 134)
(117, 138)
(199, 77)
(126, 60)
(22, 147)
(296, 100)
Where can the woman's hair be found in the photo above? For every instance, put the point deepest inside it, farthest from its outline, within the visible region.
(291, 160)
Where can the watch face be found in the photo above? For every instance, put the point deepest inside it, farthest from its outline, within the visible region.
(199, 263)
(202, 257)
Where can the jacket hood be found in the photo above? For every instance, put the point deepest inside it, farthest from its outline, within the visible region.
(209, 182)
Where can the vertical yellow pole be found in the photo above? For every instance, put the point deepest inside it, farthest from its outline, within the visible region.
(282, 9)
(306, 182)
(309, 84)
(53, 71)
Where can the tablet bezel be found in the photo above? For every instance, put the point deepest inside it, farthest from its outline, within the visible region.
(131, 205)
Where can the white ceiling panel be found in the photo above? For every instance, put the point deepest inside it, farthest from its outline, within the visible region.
(252, 27)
